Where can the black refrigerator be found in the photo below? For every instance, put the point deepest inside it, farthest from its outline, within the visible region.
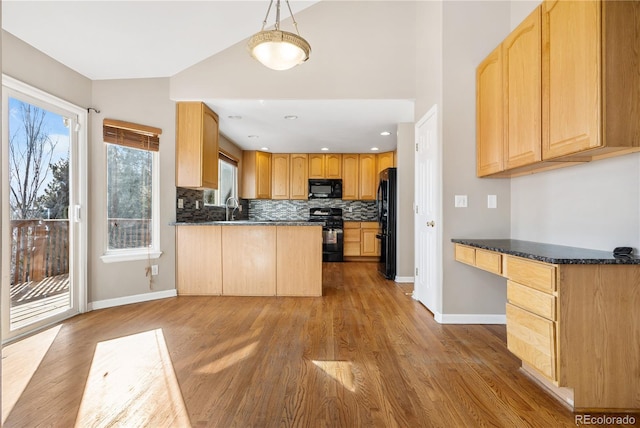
(386, 203)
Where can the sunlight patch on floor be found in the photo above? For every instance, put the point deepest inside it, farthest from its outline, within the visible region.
(229, 359)
(132, 383)
(20, 360)
(341, 371)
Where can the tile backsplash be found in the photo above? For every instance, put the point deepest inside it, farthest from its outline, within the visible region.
(264, 209)
(260, 209)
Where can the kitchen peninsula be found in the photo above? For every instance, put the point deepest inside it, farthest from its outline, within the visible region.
(249, 258)
(572, 317)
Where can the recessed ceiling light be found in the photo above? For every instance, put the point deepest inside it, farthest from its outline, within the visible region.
(235, 117)
(374, 149)
(264, 148)
(385, 133)
(252, 136)
(325, 149)
(291, 117)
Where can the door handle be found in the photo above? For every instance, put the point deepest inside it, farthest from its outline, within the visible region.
(431, 223)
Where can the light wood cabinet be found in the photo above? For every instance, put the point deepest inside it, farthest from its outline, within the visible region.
(196, 146)
(522, 82)
(368, 177)
(299, 183)
(299, 261)
(489, 115)
(350, 176)
(256, 175)
(569, 321)
(325, 165)
(369, 244)
(360, 242)
(195, 243)
(583, 103)
(385, 160)
(248, 260)
(280, 176)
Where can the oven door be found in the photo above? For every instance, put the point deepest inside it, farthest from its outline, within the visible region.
(332, 244)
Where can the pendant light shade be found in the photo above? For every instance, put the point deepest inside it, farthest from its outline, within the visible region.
(276, 49)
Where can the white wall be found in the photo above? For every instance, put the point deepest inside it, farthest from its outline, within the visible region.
(143, 101)
(361, 50)
(405, 230)
(471, 29)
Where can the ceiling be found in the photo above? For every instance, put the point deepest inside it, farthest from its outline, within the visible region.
(144, 39)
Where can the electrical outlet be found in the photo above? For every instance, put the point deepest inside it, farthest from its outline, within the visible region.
(180, 203)
(492, 201)
(239, 208)
(197, 205)
(154, 269)
(350, 209)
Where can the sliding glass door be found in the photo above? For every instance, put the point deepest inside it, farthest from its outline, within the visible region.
(41, 211)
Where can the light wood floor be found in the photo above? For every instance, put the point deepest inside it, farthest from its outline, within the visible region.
(363, 355)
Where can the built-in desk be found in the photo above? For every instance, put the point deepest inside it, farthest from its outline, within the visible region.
(573, 318)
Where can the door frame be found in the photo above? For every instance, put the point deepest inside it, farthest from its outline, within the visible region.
(438, 216)
(77, 214)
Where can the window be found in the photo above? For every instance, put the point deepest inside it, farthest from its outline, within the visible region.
(132, 194)
(227, 182)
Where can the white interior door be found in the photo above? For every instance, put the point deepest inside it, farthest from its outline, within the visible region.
(42, 191)
(428, 180)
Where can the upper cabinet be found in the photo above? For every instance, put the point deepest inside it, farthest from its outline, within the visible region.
(196, 146)
(299, 176)
(521, 83)
(570, 89)
(325, 165)
(489, 117)
(280, 175)
(368, 177)
(590, 78)
(350, 175)
(386, 160)
(256, 175)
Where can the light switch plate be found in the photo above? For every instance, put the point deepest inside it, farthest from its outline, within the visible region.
(461, 201)
(492, 201)
(180, 203)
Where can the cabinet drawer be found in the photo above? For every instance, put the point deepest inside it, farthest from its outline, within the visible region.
(532, 339)
(369, 225)
(535, 301)
(540, 276)
(489, 261)
(465, 254)
(351, 225)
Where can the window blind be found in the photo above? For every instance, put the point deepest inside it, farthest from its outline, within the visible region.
(131, 135)
(227, 158)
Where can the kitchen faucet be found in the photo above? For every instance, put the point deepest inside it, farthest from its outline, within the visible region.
(235, 205)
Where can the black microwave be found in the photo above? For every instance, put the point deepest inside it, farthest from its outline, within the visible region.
(324, 188)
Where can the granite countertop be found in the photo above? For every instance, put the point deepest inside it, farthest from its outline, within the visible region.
(248, 223)
(556, 254)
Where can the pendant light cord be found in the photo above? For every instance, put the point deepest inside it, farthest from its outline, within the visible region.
(264, 23)
(277, 24)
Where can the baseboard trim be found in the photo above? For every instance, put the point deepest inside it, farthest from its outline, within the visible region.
(127, 300)
(404, 279)
(470, 318)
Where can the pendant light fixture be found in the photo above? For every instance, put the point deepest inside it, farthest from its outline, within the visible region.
(276, 49)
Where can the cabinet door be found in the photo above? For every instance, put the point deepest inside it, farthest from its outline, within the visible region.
(369, 244)
(571, 73)
(368, 177)
(263, 175)
(522, 73)
(350, 176)
(299, 178)
(351, 239)
(333, 165)
(280, 176)
(385, 160)
(489, 115)
(209, 148)
(316, 165)
(198, 246)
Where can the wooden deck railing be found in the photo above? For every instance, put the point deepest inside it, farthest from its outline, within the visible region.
(40, 249)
